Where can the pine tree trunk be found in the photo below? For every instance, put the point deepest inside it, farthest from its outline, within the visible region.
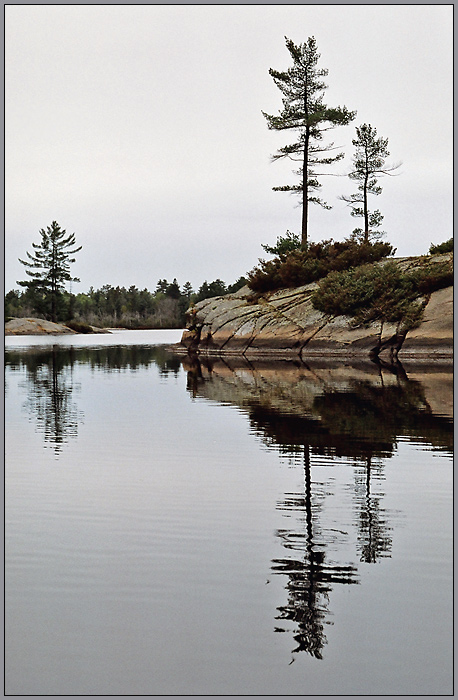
(304, 219)
(305, 201)
(366, 212)
(53, 304)
(53, 285)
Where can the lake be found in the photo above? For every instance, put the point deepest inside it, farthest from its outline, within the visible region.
(177, 526)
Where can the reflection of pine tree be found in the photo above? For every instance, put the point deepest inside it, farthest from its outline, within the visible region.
(373, 540)
(50, 386)
(312, 576)
(357, 419)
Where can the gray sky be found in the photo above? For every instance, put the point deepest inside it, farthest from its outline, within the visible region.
(139, 128)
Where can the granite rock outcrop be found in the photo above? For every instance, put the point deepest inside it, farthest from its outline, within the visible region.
(39, 326)
(284, 323)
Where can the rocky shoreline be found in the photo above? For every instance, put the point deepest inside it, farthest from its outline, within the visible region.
(285, 325)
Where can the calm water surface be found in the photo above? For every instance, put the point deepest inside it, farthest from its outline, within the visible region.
(176, 527)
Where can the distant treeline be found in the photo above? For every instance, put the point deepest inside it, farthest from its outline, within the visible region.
(120, 307)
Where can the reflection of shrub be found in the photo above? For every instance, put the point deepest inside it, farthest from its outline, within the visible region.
(381, 292)
(373, 416)
(299, 267)
(445, 247)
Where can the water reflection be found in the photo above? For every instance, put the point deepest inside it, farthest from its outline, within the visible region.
(315, 415)
(374, 539)
(356, 411)
(311, 567)
(310, 571)
(327, 412)
(52, 390)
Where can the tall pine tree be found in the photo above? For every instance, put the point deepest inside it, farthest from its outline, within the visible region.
(305, 112)
(49, 268)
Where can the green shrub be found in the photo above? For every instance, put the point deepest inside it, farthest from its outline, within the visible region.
(285, 244)
(353, 292)
(445, 247)
(238, 284)
(381, 292)
(79, 327)
(299, 267)
(433, 276)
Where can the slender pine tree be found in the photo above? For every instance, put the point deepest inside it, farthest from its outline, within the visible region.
(368, 164)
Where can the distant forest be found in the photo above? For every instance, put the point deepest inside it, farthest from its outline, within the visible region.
(118, 307)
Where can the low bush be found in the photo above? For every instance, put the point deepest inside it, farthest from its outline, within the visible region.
(285, 244)
(381, 292)
(358, 291)
(433, 276)
(445, 247)
(298, 267)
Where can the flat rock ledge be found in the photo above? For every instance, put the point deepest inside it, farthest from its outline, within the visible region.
(38, 326)
(284, 325)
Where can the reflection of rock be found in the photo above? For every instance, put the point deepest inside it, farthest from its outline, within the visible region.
(284, 323)
(320, 412)
(437, 384)
(329, 389)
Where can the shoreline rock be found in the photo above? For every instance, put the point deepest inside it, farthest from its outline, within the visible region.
(284, 324)
(39, 326)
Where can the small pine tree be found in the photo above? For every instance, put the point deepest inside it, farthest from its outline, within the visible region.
(187, 290)
(285, 244)
(368, 163)
(173, 290)
(51, 259)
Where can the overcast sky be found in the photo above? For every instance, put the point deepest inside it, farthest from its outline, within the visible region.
(139, 128)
